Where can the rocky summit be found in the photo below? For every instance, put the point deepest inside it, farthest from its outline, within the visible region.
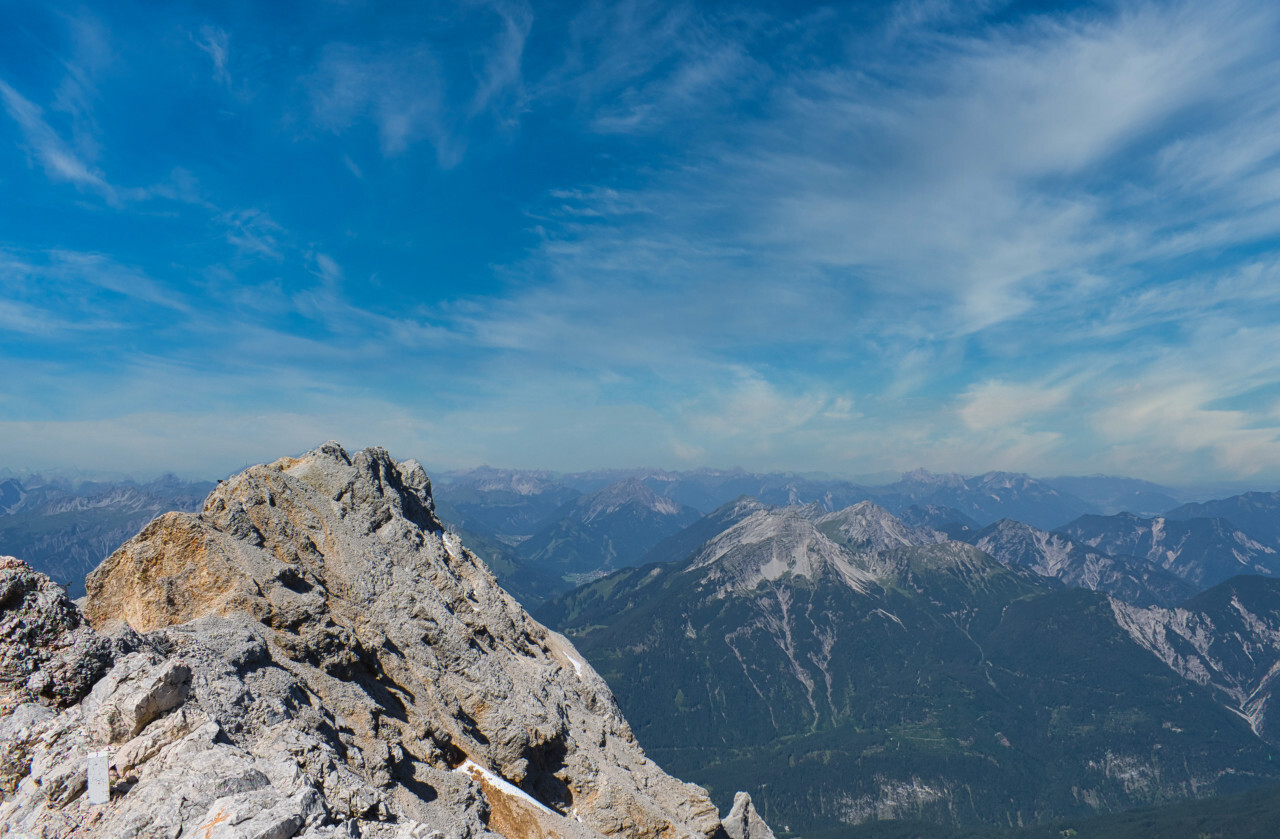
(313, 655)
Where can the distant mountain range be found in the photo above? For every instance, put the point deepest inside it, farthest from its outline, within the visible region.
(945, 651)
(611, 528)
(538, 518)
(847, 667)
(1202, 551)
(531, 528)
(65, 529)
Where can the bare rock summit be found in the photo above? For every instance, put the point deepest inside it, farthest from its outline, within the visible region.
(313, 655)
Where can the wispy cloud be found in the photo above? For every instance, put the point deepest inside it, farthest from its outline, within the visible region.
(959, 234)
(414, 92)
(216, 43)
(501, 78)
(49, 150)
(401, 92)
(253, 232)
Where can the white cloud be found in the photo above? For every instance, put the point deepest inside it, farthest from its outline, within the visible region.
(54, 155)
(501, 77)
(401, 92)
(995, 404)
(749, 408)
(1174, 420)
(216, 43)
(254, 232)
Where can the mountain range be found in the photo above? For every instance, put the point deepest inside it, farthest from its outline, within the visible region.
(847, 668)
(955, 653)
(66, 529)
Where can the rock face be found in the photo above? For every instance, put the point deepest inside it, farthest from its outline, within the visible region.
(743, 822)
(319, 658)
(1203, 552)
(47, 652)
(1227, 638)
(1056, 555)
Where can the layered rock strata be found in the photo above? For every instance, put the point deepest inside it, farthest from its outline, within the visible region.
(312, 655)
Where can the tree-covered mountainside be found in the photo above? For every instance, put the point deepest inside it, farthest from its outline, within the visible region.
(608, 529)
(1248, 815)
(845, 672)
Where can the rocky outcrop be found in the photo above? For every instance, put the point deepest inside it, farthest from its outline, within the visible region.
(318, 658)
(47, 652)
(743, 822)
(1060, 557)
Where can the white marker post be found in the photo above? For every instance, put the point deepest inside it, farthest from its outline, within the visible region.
(99, 780)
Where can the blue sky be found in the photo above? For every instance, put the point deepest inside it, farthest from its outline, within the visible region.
(854, 238)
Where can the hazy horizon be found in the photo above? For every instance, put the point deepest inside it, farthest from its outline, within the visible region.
(1034, 237)
(1187, 491)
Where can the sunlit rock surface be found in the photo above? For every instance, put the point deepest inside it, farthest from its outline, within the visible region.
(313, 655)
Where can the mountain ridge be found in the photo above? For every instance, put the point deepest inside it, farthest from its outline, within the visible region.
(314, 654)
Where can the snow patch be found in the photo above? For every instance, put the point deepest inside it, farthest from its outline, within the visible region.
(479, 773)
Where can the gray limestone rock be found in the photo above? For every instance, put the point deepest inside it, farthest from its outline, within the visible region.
(319, 658)
(47, 652)
(743, 822)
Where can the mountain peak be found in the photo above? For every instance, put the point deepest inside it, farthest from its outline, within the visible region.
(629, 491)
(311, 596)
(869, 527)
(775, 543)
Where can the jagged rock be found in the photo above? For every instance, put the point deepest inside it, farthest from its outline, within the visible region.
(136, 691)
(743, 822)
(47, 654)
(321, 659)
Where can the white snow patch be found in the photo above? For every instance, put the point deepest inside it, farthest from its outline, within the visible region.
(556, 643)
(478, 772)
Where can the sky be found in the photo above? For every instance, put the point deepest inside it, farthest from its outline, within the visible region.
(855, 238)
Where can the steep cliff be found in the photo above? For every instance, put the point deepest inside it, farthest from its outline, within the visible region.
(313, 655)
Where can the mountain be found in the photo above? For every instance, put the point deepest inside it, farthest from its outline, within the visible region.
(504, 503)
(493, 511)
(845, 668)
(65, 530)
(1203, 551)
(937, 517)
(1110, 494)
(1248, 815)
(680, 545)
(708, 489)
(1255, 513)
(526, 582)
(985, 498)
(611, 528)
(1075, 564)
(11, 495)
(314, 656)
(1227, 638)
